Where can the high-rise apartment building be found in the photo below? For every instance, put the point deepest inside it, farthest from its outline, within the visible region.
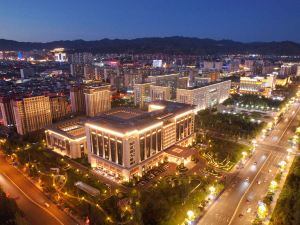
(32, 114)
(59, 107)
(89, 71)
(160, 93)
(142, 94)
(7, 112)
(97, 99)
(77, 99)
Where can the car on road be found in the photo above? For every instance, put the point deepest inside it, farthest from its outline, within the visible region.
(247, 180)
(259, 182)
(255, 163)
(46, 204)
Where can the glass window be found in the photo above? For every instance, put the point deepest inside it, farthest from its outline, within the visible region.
(142, 148)
(94, 144)
(106, 147)
(113, 150)
(159, 141)
(148, 138)
(153, 144)
(120, 152)
(100, 143)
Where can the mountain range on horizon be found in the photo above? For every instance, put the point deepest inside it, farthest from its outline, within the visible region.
(167, 45)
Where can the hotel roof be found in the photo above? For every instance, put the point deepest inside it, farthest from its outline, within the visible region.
(72, 128)
(129, 119)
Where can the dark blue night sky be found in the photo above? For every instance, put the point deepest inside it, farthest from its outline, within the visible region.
(241, 20)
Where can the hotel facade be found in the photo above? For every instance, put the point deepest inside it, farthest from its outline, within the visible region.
(128, 142)
(67, 138)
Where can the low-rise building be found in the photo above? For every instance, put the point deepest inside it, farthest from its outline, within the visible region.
(258, 85)
(68, 138)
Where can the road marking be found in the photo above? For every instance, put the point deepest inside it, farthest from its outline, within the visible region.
(289, 124)
(34, 202)
(236, 209)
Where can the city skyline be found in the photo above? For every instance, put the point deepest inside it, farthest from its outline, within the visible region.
(59, 20)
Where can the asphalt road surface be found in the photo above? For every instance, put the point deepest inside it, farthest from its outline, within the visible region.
(238, 203)
(29, 198)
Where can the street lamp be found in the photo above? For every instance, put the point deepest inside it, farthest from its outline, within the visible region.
(282, 165)
(190, 215)
(273, 185)
(212, 189)
(262, 210)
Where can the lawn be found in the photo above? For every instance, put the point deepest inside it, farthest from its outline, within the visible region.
(223, 149)
(230, 125)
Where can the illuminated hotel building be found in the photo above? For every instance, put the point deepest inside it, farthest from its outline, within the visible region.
(32, 114)
(258, 85)
(97, 99)
(127, 142)
(206, 96)
(67, 138)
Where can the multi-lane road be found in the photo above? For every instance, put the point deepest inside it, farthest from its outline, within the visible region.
(238, 203)
(29, 198)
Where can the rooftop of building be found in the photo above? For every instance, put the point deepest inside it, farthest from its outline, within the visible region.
(89, 84)
(129, 119)
(204, 85)
(71, 128)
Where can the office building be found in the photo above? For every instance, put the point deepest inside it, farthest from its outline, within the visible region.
(32, 114)
(67, 138)
(77, 70)
(7, 112)
(142, 94)
(130, 79)
(205, 96)
(97, 99)
(127, 142)
(160, 93)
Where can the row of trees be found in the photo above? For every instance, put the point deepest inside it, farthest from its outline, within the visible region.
(9, 211)
(287, 210)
